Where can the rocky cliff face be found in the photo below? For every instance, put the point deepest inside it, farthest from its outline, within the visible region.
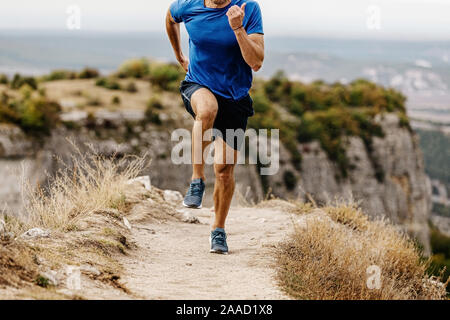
(402, 194)
(390, 181)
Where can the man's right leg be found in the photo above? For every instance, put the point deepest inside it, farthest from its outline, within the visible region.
(205, 107)
(204, 104)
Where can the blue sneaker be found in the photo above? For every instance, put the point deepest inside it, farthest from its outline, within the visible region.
(194, 196)
(218, 241)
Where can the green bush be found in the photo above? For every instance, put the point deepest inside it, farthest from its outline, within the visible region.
(108, 83)
(440, 247)
(88, 73)
(35, 115)
(290, 181)
(166, 76)
(18, 81)
(60, 75)
(4, 79)
(94, 102)
(131, 87)
(274, 87)
(155, 103)
(152, 111)
(135, 68)
(115, 100)
(404, 121)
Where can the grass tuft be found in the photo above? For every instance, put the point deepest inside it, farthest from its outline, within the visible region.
(91, 183)
(331, 253)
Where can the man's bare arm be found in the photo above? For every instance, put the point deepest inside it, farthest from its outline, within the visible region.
(173, 31)
(252, 46)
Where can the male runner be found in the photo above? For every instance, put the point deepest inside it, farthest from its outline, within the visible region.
(226, 42)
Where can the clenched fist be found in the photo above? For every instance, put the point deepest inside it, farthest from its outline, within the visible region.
(236, 16)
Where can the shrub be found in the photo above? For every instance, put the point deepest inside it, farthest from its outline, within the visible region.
(88, 73)
(131, 87)
(152, 111)
(94, 102)
(166, 76)
(273, 87)
(108, 83)
(330, 253)
(18, 81)
(403, 121)
(35, 115)
(135, 68)
(60, 75)
(290, 181)
(440, 247)
(4, 79)
(155, 103)
(115, 100)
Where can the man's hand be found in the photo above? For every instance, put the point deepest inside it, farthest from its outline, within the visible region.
(184, 62)
(236, 16)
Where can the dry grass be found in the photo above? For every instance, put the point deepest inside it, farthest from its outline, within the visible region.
(83, 208)
(329, 254)
(91, 183)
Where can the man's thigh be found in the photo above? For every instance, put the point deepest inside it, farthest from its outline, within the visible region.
(203, 100)
(224, 154)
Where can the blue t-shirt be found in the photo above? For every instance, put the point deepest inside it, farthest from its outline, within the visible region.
(215, 58)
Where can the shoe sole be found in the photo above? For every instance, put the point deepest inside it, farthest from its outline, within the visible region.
(195, 207)
(215, 251)
(192, 207)
(218, 252)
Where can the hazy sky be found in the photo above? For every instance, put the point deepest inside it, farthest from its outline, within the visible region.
(412, 19)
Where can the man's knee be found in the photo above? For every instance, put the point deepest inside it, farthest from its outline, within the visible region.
(224, 172)
(207, 112)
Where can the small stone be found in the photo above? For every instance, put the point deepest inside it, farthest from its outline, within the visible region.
(189, 218)
(90, 269)
(144, 180)
(127, 223)
(38, 260)
(172, 196)
(51, 277)
(35, 233)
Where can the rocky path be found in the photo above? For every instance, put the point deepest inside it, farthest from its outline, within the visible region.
(173, 259)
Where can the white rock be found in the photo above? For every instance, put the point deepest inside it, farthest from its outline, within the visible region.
(2, 227)
(188, 217)
(51, 276)
(172, 196)
(144, 180)
(35, 233)
(127, 223)
(90, 269)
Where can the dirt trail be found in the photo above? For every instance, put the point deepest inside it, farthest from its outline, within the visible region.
(173, 259)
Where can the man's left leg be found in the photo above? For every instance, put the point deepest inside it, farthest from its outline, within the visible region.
(225, 158)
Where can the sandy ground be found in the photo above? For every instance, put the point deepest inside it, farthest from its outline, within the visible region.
(173, 259)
